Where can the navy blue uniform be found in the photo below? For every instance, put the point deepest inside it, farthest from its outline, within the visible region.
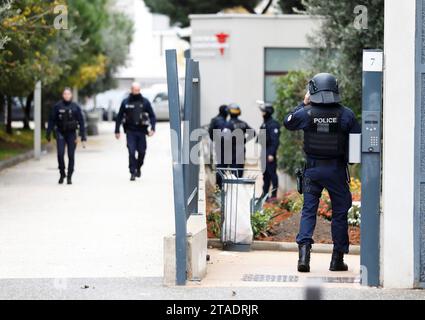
(137, 115)
(326, 129)
(272, 128)
(238, 150)
(65, 118)
(216, 128)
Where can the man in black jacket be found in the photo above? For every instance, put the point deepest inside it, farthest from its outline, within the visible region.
(65, 118)
(239, 127)
(217, 128)
(137, 115)
(272, 131)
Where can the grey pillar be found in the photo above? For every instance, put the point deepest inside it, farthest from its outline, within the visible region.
(178, 174)
(371, 166)
(419, 196)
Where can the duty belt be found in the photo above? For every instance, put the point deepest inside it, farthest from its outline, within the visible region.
(311, 163)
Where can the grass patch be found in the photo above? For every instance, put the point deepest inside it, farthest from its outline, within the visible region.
(17, 143)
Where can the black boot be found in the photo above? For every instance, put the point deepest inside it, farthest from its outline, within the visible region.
(133, 177)
(62, 178)
(304, 257)
(69, 179)
(337, 262)
(138, 173)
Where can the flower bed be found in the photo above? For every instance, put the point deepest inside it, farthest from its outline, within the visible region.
(279, 220)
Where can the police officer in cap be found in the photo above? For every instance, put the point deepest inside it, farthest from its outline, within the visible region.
(64, 120)
(139, 120)
(217, 127)
(272, 130)
(327, 125)
(237, 126)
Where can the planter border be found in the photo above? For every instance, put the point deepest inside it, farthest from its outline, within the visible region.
(285, 246)
(11, 162)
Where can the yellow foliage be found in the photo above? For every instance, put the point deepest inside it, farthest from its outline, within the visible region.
(88, 73)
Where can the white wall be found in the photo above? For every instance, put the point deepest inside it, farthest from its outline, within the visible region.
(397, 265)
(153, 35)
(238, 76)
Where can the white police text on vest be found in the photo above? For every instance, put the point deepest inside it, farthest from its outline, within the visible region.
(325, 120)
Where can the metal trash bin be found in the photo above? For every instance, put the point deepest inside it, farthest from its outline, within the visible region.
(93, 118)
(237, 206)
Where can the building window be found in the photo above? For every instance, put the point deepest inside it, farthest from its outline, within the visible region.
(277, 62)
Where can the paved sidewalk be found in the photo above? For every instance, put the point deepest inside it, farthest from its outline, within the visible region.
(276, 269)
(102, 226)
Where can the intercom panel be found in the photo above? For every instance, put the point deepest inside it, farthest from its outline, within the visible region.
(371, 131)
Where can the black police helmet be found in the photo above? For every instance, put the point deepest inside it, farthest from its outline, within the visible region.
(234, 109)
(267, 108)
(223, 110)
(324, 89)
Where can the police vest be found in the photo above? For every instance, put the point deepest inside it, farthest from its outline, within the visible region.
(324, 137)
(66, 120)
(135, 114)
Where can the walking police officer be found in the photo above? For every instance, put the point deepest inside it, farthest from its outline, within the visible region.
(272, 131)
(65, 118)
(137, 115)
(327, 125)
(217, 127)
(238, 147)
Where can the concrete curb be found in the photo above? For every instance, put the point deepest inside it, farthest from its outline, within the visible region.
(5, 164)
(285, 246)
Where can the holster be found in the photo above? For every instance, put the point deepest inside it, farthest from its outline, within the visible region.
(300, 176)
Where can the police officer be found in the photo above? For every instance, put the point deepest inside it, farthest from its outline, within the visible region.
(327, 125)
(217, 127)
(272, 131)
(65, 118)
(236, 126)
(137, 115)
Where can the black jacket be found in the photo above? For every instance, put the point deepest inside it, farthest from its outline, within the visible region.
(147, 108)
(77, 114)
(272, 128)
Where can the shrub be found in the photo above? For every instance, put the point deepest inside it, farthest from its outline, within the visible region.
(260, 222)
(214, 222)
(354, 215)
(290, 91)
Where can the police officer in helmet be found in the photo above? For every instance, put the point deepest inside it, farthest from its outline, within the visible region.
(327, 125)
(64, 120)
(139, 121)
(236, 126)
(272, 130)
(217, 127)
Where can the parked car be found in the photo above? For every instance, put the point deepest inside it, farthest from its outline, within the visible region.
(18, 113)
(158, 96)
(109, 102)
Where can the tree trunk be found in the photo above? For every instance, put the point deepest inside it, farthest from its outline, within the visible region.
(2, 109)
(27, 110)
(9, 115)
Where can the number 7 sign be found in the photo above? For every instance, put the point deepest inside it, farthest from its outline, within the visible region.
(373, 61)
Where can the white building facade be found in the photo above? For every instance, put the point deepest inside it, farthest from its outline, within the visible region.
(241, 55)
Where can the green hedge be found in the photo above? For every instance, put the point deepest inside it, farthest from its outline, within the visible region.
(290, 90)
